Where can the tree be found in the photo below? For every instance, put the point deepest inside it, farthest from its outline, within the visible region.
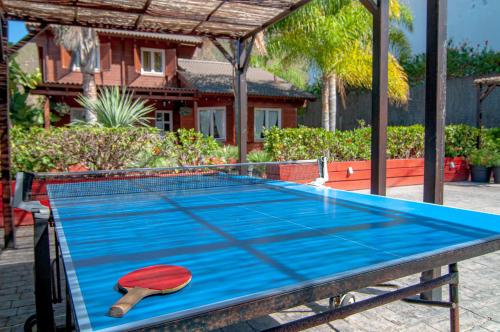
(83, 43)
(24, 112)
(335, 37)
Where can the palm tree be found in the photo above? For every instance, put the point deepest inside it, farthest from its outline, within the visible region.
(335, 37)
(83, 42)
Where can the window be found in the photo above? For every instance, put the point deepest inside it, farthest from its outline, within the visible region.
(76, 114)
(152, 61)
(265, 119)
(212, 122)
(164, 120)
(97, 58)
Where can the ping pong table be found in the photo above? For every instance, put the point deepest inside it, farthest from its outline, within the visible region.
(254, 244)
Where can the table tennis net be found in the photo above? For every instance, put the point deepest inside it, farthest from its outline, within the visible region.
(116, 182)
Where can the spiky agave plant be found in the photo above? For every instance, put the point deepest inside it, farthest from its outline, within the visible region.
(116, 108)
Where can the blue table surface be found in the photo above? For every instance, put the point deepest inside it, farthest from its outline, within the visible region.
(240, 242)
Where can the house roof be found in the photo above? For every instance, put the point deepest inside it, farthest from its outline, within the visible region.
(216, 18)
(217, 77)
(151, 35)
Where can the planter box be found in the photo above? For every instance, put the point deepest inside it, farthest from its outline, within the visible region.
(400, 172)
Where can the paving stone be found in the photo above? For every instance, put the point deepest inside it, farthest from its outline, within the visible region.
(491, 325)
(240, 327)
(477, 329)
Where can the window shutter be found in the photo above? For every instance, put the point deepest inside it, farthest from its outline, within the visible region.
(105, 52)
(65, 58)
(64, 63)
(170, 63)
(137, 59)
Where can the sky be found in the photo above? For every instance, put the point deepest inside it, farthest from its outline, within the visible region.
(17, 30)
(471, 21)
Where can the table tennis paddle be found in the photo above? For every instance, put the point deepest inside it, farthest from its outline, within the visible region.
(151, 280)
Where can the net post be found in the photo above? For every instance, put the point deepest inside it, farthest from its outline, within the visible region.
(323, 168)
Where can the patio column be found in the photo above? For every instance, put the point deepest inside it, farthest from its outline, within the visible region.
(240, 102)
(242, 51)
(7, 213)
(435, 106)
(379, 95)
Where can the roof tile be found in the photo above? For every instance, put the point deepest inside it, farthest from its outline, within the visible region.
(217, 77)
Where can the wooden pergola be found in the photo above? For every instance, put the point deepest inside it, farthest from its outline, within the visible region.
(239, 21)
(485, 86)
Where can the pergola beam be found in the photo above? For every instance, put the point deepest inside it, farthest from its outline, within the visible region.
(370, 6)
(484, 88)
(276, 19)
(380, 102)
(141, 16)
(223, 50)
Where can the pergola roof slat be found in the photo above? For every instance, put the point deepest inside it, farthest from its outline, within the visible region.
(216, 18)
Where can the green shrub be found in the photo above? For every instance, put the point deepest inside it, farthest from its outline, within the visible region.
(227, 154)
(96, 148)
(460, 140)
(258, 156)
(403, 142)
(100, 148)
(297, 143)
(491, 139)
(495, 160)
(192, 147)
(481, 157)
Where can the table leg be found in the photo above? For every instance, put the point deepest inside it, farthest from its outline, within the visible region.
(454, 311)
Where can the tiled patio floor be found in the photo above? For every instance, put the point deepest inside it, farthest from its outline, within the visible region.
(479, 284)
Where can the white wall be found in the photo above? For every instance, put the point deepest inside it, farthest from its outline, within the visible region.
(473, 21)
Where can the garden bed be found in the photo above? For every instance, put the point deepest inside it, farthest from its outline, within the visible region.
(400, 172)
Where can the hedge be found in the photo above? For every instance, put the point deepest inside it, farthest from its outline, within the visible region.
(402, 142)
(39, 150)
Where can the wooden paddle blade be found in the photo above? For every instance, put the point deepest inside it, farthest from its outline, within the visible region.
(134, 295)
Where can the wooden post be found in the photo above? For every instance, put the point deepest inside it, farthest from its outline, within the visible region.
(479, 114)
(435, 105)
(7, 213)
(241, 59)
(46, 113)
(379, 97)
(240, 103)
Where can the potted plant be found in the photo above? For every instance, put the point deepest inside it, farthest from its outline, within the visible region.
(481, 165)
(496, 167)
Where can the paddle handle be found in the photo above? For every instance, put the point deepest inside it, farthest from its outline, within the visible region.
(134, 295)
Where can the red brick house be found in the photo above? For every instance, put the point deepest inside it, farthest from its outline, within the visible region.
(186, 93)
